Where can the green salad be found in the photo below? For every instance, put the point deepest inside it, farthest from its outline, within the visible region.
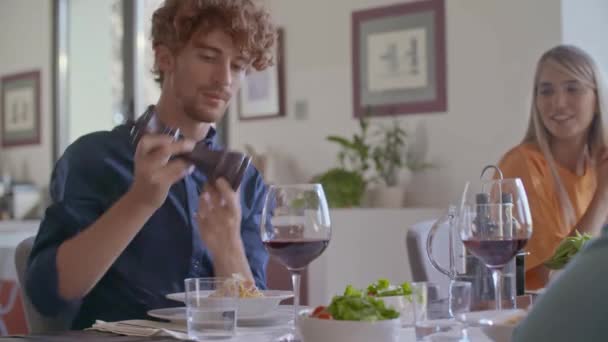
(566, 250)
(354, 305)
(383, 288)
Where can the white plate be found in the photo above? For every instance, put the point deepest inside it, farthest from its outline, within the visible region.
(497, 325)
(537, 292)
(491, 317)
(247, 307)
(178, 315)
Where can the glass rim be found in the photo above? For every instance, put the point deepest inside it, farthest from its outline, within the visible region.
(504, 204)
(295, 185)
(424, 282)
(209, 279)
(494, 180)
(459, 283)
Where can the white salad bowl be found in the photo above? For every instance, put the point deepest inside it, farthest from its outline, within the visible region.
(328, 330)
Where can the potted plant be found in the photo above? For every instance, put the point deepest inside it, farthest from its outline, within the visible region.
(377, 164)
(345, 185)
(392, 173)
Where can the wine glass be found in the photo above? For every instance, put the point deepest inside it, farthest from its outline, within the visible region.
(296, 229)
(495, 224)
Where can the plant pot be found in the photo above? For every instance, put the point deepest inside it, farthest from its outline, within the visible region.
(382, 196)
(405, 177)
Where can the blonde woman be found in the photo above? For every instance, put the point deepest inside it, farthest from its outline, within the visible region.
(561, 159)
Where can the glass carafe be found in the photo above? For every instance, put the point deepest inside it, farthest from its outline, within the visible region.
(462, 265)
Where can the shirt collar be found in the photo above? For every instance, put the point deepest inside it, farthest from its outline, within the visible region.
(209, 139)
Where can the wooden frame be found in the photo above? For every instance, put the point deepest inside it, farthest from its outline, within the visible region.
(262, 94)
(399, 62)
(20, 110)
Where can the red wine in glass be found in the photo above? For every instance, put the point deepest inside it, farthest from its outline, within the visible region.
(295, 229)
(296, 254)
(495, 253)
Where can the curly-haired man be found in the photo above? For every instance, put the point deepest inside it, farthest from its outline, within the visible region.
(128, 224)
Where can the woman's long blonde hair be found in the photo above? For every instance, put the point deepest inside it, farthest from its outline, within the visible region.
(577, 64)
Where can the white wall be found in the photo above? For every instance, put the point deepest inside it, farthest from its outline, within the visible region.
(584, 24)
(492, 47)
(25, 44)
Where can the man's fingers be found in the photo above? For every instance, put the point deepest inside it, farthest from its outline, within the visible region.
(174, 171)
(150, 142)
(213, 196)
(162, 153)
(165, 152)
(230, 196)
(181, 146)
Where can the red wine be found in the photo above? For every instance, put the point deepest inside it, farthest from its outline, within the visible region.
(296, 254)
(495, 253)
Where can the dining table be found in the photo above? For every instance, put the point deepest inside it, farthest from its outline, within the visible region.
(407, 334)
(244, 334)
(246, 331)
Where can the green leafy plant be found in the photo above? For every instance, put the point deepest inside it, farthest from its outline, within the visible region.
(416, 162)
(355, 153)
(566, 250)
(389, 153)
(383, 148)
(343, 188)
(305, 200)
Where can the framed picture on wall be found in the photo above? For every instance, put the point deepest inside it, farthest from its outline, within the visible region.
(262, 94)
(20, 109)
(399, 62)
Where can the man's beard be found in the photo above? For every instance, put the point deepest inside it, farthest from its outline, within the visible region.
(199, 116)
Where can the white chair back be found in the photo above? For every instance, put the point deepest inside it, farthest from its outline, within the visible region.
(422, 269)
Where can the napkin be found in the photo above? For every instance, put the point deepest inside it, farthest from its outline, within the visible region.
(142, 328)
(146, 328)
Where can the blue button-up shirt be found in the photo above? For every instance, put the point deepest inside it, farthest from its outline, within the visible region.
(94, 172)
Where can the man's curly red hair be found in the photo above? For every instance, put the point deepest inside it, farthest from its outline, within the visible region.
(249, 26)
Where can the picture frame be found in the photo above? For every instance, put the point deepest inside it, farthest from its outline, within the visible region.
(399, 59)
(262, 94)
(20, 109)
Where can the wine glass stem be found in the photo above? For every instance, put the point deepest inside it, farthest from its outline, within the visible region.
(295, 281)
(497, 277)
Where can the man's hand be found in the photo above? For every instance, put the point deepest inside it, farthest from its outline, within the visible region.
(219, 215)
(155, 172)
(219, 221)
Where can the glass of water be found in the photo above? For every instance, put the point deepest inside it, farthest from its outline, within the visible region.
(211, 307)
(435, 309)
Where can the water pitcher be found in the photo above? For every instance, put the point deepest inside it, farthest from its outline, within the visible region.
(463, 266)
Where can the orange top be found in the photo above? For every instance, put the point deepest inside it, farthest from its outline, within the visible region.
(527, 162)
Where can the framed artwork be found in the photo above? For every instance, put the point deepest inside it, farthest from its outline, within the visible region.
(399, 62)
(263, 93)
(20, 109)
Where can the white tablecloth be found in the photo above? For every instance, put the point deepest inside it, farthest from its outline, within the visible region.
(407, 335)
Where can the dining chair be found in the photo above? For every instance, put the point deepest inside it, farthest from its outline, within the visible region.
(36, 322)
(8, 306)
(415, 242)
